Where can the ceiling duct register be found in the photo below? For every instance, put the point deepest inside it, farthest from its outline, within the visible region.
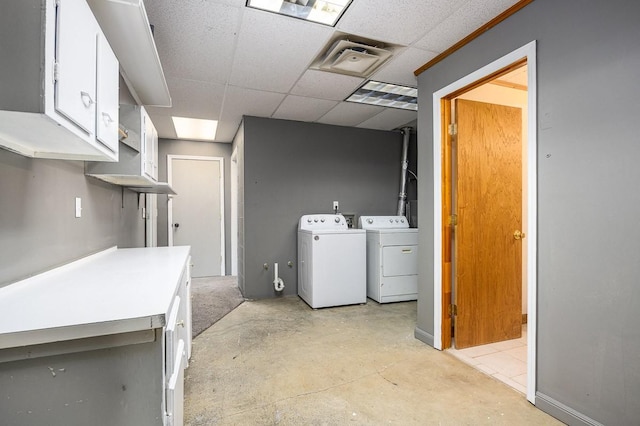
(356, 58)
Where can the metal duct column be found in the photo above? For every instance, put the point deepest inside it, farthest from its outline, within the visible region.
(402, 197)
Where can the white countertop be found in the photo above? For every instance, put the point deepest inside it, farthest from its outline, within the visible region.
(115, 291)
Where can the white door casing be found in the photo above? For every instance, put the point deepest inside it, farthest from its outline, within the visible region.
(529, 52)
(234, 212)
(198, 210)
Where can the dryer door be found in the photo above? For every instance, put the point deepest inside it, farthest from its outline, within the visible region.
(399, 260)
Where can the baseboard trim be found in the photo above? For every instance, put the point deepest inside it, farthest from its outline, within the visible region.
(563, 413)
(423, 336)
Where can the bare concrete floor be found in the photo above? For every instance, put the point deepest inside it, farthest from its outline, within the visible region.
(278, 362)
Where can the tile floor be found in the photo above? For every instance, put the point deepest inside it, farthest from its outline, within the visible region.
(506, 361)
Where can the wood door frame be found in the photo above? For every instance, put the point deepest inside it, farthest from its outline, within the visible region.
(527, 52)
(220, 160)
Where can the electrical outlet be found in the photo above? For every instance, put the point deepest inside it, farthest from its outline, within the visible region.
(336, 206)
(78, 207)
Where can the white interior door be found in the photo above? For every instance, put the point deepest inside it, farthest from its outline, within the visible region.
(196, 213)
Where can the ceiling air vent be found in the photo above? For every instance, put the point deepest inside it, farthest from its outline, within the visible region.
(352, 58)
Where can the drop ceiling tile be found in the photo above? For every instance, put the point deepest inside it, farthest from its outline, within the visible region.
(326, 85)
(239, 102)
(195, 99)
(350, 114)
(400, 21)
(273, 51)
(303, 109)
(400, 70)
(195, 38)
(471, 16)
(389, 119)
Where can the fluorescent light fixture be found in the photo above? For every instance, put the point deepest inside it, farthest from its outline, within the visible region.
(386, 95)
(325, 12)
(195, 128)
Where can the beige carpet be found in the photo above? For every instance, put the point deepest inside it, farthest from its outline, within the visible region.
(211, 299)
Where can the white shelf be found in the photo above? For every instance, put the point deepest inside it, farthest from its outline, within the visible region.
(126, 26)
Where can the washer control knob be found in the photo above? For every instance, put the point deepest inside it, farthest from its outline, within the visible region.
(315, 220)
(396, 220)
(337, 219)
(322, 219)
(401, 220)
(309, 220)
(391, 220)
(369, 221)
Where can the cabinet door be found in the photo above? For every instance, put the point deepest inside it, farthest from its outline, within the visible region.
(107, 95)
(175, 390)
(151, 148)
(75, 91)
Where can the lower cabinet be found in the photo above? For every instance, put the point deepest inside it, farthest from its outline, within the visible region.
(119, 376)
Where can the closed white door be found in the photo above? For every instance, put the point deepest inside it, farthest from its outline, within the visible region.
(195, 214)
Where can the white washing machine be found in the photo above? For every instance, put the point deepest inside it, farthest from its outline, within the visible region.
(331, 261)
(392, 258)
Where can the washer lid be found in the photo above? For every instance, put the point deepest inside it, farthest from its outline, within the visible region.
(312, 222)
(383, 222)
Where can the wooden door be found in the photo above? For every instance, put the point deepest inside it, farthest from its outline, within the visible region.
(488, 203)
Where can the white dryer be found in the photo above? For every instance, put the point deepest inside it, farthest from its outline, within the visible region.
(331, 261)
(392, 258)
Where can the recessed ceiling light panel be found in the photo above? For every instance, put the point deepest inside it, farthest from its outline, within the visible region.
(325, 12)
(195, 128)
(386, 95)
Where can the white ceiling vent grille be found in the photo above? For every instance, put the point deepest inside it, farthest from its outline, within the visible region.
(353, 58)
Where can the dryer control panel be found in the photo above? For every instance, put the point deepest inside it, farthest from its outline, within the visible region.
(383, 222)
(322, 221)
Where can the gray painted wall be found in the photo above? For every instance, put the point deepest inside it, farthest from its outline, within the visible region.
(588, 202)
(38, 228)
(184, 147)
(293, 168)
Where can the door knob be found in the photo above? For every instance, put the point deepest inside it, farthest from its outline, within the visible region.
(176, 225)
(518, 235)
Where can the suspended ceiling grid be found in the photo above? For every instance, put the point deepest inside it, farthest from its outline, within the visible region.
(223, 60)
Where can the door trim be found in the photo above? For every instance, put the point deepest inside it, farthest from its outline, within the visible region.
(170, 158)
(527, 51)
(233, 170)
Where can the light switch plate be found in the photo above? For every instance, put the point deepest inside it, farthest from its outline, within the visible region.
(78, 207)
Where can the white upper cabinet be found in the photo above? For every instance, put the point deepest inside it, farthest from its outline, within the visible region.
(59, 78)
(137, 165)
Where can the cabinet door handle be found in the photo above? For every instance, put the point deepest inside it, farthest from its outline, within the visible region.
(86, 99)
(107, 118)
